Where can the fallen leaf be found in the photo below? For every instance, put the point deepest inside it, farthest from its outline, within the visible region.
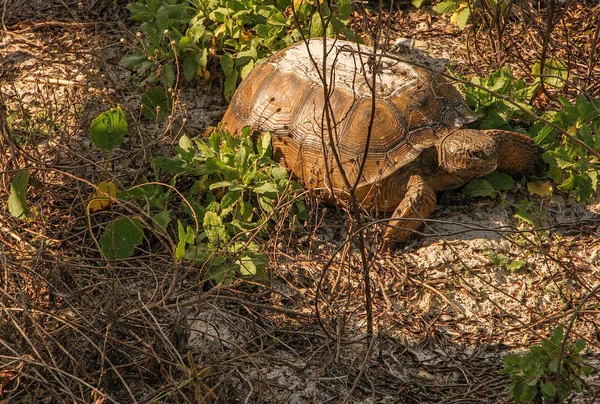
(103, 197)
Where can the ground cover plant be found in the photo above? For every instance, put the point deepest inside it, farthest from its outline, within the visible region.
(142, 260)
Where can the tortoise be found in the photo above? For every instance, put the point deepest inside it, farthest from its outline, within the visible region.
(418, 144)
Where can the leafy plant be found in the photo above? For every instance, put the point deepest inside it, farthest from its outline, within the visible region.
(533, 375)
(497, 113)
(233, 35)
(232, 191)
(571, 164)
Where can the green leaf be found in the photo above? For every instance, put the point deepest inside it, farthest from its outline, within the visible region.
(417, 3)
(579, 345)
(527, 212)
(134, 61)
(245, 69)
(230, 85)
(247, 266)
(121, 237)
(156, 104)
(168, 165)
(161, 220)
(189, 68)
(17, 199)
(546, 135)
(215, 230)
(169, 73)
(227, 64)
(316, 26)
(463, 17)
(279, 173)
(267, 189)
(515, 265)
(555, 72)
(586, 110)
(529, 394)
(500, 181)
(512, 360)
(264, 144)
(557, 335)
(220, 274)
(548, 390)
(186, 236)
(480, 188)
(109, 128)
(446, 7)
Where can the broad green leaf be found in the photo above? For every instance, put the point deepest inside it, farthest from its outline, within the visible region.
(461, 17)
(245, 69)
(557, 335)
(545, 135)
(169, 73)
(586, 110)
(555, 72)
(268, 189)
(134, 61)
(579, 345)
(500, 181)
(529, 394)
(230, 84)
(512, 360)
(480, 188)
(264, 145)
(247, 266)
(515, 265)
(227, 64)
(109, 128)
(215, 230)
(316, 26)
(220, 274)
(156, 104)
(190, 67)
(417, 3)
(446, 7)
(168, 165)
(279, 173)
(121, 237)
(17, 199)
(220, 184)
(161, 220)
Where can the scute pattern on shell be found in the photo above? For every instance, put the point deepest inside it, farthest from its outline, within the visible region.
(284, 95)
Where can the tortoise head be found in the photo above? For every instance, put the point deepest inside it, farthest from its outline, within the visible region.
(465, 154)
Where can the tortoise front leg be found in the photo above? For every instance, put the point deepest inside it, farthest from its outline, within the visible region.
(417, 204)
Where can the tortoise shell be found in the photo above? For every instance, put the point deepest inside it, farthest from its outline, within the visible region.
(413, 107)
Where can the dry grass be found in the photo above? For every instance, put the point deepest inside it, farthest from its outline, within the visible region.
(75, 328)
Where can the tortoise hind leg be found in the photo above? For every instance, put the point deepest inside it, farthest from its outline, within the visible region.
(518, 154)
(417, 204)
